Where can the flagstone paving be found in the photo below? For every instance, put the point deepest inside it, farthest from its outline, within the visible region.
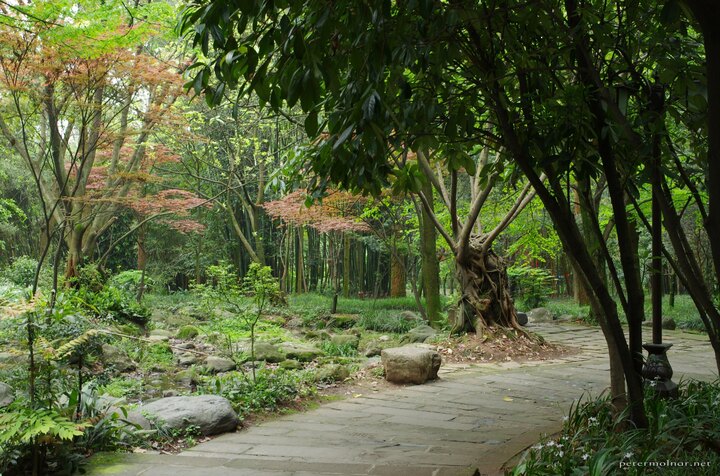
(470, 421)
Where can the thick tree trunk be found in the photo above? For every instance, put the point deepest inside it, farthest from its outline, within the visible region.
(485, 300)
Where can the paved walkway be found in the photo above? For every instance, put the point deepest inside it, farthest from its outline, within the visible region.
(470, 421)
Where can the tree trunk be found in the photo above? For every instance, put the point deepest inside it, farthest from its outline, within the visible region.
(346, 266)
(397, 275)
(485, 300)
(430, 264)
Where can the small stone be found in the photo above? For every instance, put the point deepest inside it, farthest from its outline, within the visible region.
(185, 345)
(410, 316)
(187, 359)
(332, 373)
(158, 338)
(522, 318)
(160, 332)
(186, 378)
(669, 324)
(540, 314)
(410, 364)
(267, 352)
(373, 349)
(290, 364)
(384, 338)
(419, 334)
(301, 352)
(7, 394)
(117, 358)
(566, 318)
(219, 364)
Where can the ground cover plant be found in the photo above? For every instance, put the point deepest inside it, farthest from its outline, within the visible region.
(594, 441)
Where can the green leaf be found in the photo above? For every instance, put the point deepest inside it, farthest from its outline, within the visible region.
(311, 124)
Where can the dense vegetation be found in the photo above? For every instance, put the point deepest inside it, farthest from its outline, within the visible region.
(219, 179)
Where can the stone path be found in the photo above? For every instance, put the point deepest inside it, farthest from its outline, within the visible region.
(470, 421)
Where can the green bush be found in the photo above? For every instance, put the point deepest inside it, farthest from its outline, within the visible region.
(110, 303)
(593, 441)
(129, 281)
(21, 272)
(188, 332)
(533, 284)
(271, 390)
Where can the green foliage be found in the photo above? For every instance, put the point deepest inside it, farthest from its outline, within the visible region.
(188, 332)
(386, 321)
(121, 387)
(533, 284)
(568, 306)
(109, 303)
(21, 272)
(592, 441)
(270, 391)
(155, 356)
(129, 281)
(332, 349)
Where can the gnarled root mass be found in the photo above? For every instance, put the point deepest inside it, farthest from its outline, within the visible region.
(485, 299)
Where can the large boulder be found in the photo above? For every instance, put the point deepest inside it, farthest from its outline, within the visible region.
(7, 395)
(419, 334)
(540, 314)
(117, 358)
(216, 364)
(301, 352)
(211, 414)
(410, 364)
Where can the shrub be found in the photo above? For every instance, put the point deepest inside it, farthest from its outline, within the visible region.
(592, 440)
(129, 281)
(22, 271)
(188, 332)
(270, 390)
(533, 284)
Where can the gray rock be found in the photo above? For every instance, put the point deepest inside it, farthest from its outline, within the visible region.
(154, 339)
(212, 414)
(522, 318)
(410, 364)
(219, 364)
(290, 364)
(669, 323)
(267, 352)
(186, 378)
(540, 314)
(186, 359)
(419, 334)
(346, 339)
(185, 345)
(7, 395)
(373, 349)
(332, 373)
(160, 332)
(410, 316)
(566, 318)
(384, 338)
(118, 358)
(301, 352)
